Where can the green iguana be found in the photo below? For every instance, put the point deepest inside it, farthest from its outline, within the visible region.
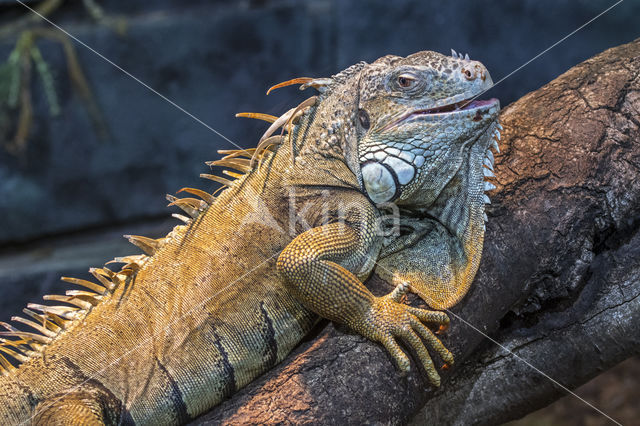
(290, 239)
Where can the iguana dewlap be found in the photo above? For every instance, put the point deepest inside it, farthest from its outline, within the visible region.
(289, 239)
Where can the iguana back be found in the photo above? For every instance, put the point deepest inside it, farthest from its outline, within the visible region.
(203, 315)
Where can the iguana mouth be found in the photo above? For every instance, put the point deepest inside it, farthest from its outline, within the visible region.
(466, 106)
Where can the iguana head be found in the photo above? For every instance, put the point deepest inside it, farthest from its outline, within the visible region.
(406, 127)
(418, 119)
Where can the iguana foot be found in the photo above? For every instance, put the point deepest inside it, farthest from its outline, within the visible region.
(389, 320)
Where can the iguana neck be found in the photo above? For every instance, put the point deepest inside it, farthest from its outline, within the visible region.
(328, 130)
(460, 206)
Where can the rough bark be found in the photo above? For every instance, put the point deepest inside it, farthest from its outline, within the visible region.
(558, 285)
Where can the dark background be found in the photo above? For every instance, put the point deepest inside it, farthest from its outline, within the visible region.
(69, 195)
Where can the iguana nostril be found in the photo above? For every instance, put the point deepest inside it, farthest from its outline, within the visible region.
(475, 72)
(468, 74)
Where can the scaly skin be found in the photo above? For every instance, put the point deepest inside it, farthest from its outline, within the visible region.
(228, 295)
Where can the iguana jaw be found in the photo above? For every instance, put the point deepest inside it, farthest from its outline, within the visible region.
(447, 110)
(457, 108)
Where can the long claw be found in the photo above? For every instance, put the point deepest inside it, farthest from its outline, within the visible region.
(263, 145)
(258, 115)
(281, 121)
(299, 80)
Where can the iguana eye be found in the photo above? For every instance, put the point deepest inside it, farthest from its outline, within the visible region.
(406, 80)
(363, 117)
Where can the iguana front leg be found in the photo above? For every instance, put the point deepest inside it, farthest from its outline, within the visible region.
(318, 267)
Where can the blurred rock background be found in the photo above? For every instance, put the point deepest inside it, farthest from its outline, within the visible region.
(84, 176)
